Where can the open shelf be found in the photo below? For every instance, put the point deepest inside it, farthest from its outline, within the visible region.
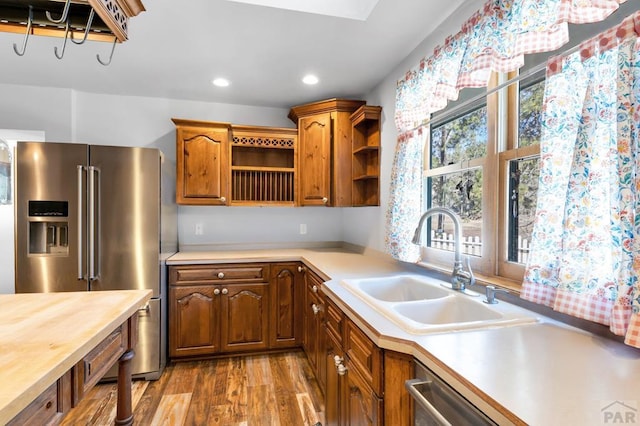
(365, 138)
(263, 165)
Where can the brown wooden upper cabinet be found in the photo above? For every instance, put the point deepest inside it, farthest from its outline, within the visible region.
(202, 162)
(331, 159)
(325, 150)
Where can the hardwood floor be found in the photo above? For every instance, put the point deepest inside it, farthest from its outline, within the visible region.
(275, 389)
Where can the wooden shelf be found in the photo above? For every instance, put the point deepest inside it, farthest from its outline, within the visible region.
(263, 169)
(365, 149)
(366, 177)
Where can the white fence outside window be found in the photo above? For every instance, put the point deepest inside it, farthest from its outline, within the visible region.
(473, 245)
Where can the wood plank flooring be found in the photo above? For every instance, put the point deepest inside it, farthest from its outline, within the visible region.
(275, 389)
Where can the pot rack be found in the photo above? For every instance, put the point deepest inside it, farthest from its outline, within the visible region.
(75, 20)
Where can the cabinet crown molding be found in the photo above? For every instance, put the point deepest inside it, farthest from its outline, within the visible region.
(199, 123)
(328, 105)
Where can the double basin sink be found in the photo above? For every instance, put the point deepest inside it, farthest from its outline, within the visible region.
(422, 305)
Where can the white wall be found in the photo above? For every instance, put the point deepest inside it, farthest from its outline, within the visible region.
(366, 226)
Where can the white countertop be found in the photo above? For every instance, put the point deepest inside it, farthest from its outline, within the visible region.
(544, 373)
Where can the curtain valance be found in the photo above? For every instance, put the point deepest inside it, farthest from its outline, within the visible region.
(495, 38)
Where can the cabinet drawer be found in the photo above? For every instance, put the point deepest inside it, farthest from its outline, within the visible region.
(365, 356)
(334, 320)
(41, 411)
(94, 366)
(190, 274)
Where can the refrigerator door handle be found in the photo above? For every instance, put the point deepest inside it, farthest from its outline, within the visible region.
(94, 223)
(80, 216)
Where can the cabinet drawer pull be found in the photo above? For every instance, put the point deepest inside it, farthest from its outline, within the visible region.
(223, 199)
(221, 275)
(225, 291)
(300, 268)
(325, 200)
(216, 291)
(337, 359)
(314, 289)
(315, 309)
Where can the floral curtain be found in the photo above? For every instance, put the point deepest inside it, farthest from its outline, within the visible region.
(585, 255)
(495, 38)
(405, 206)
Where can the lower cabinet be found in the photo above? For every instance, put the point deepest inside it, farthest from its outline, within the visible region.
(233, 308)
(241, 308)
(285, 295)
(313, 341)
(364, 384)
(362, 405)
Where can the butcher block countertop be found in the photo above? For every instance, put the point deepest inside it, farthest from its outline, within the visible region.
(545, 373)
(43, 335)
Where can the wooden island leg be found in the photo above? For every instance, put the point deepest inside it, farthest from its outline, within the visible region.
(124, 410)
(124, 414)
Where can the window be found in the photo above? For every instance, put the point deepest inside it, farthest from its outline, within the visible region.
(483, 164)
(456, 176)
(482, 161)
(453, 182)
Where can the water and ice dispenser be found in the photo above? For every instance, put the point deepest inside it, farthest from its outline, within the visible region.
(49, 227)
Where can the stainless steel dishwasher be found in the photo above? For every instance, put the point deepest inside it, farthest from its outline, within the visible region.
(437, 403)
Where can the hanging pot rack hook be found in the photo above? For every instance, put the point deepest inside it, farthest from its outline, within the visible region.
(26, 36)
(87, 29)
(113, 47)
(65, 12)
(64, 44)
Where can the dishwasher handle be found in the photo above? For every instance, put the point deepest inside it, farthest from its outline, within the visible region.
(424, 403)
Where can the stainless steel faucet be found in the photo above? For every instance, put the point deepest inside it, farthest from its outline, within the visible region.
(460, 279)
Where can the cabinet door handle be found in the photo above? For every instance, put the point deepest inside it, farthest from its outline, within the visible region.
(300, 268)
(225, 291)
(342, 370)
(337, 359)
(325, 200)
(223, 199)
(221, 275)
(315, 308)
(216, 291)
(314, 289)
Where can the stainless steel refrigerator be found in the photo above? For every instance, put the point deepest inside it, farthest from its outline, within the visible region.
(97, 218)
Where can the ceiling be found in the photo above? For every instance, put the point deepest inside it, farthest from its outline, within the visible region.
(176, 48)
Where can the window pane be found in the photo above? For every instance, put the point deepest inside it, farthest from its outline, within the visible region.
(460, 139)
(523, 190)
(462, 193)
(530, 118)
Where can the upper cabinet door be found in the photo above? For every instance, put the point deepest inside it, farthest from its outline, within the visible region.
(314, 140)
(202, 163)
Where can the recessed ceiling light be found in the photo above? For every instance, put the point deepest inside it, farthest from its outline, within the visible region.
(310, 79)
(221, 82)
